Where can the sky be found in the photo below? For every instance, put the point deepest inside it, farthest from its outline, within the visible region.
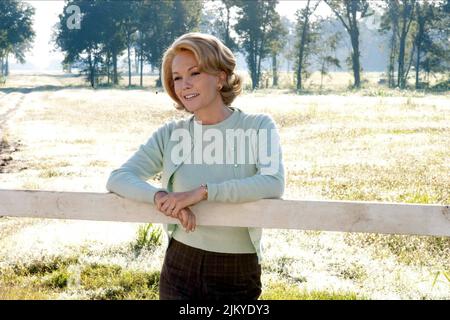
(44, 58)
(46, 16)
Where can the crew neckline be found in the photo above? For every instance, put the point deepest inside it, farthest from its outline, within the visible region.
(224, 123)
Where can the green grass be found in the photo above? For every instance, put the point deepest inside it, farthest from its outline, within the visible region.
(52, 173)
(409, 250)
(112, 282)
(285, 291)
(53, 276)
(148, 237)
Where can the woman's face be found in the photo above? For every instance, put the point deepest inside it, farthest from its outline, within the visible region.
(196, 90)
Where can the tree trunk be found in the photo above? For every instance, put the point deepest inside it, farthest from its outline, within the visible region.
(108, 68)
(355, 59)
(391, 67)
(419, 49)
(302, 47)
(129, 61)
(136, 61)
(418, 66)
(227, 29)
(407, 17)
(115, 76)
(301, 55)
(254, 68)
(275, 71)
(258, 70)
(159, 80)
(322, 72)
(91, 71)
(7, 65)
(401, 63)
(141, 61)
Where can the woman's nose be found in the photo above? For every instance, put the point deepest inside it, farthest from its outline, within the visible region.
(187, 83)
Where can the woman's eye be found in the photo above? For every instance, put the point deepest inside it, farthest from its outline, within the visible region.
(177, 78)
(195, 73)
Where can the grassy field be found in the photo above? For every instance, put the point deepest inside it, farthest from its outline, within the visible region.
(372, 145)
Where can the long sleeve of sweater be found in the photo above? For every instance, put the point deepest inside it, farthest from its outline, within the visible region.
(130, 180)
(265, 183)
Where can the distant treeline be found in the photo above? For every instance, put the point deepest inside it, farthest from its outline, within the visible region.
(94, 34)
(16, 32)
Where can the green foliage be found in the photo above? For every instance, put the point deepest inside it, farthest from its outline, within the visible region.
(218, 21)
(120, 25)
(350, 12)
(286, 291)
(57, 279)
(409, 250)
(45, 265)
(148, 236)
(112, 283)
(354, 271)
(445, 274)
(258, 26)
(16, 32)
(306, 43)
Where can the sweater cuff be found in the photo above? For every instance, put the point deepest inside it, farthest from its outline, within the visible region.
(153, 193)
(212, 192)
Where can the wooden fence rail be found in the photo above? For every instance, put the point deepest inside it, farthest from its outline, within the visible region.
(347, 216)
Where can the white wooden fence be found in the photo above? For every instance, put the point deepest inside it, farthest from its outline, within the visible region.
(347, 216)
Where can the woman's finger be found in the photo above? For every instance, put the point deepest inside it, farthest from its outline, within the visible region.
(176, 211)
(166, 206)
(194, 221)
(183, 218)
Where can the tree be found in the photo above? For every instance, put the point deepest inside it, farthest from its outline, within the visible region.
(16, 31)
(276, 42)
(217, 20)
(424, 17)
(325, 57)
(166, 20)
(389, 22)
(432, 31)
(82, 46)
(406, 17)
(304, 38)
(255, 24)
(129, 26)
(111, 35)
(349, 12)
(288, 52)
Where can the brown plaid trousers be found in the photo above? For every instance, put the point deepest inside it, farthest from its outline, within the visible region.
(193, 274)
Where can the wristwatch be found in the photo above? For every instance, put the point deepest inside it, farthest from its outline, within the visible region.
(205, 188)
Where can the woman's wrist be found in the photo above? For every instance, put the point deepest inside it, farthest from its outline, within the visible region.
(204, 191)
(159, 194)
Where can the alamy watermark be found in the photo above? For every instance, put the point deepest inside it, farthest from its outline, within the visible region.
(236, 146)
(74, 20)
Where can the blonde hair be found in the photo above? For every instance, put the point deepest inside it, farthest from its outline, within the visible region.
(212, 56)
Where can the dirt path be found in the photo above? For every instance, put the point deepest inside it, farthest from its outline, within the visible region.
(9, 104)
(12, 97)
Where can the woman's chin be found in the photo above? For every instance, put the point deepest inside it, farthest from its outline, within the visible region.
(191, 108)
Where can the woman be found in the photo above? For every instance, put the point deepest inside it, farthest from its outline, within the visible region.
(206, 262)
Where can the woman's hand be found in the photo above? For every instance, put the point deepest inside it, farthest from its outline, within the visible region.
(187, 219)
(171, 203)
(184, 215)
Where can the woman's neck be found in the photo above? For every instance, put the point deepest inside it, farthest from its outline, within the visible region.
(208, 117)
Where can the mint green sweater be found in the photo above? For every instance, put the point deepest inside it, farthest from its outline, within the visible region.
(183, 155)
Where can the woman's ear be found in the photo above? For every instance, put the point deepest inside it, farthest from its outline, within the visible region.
(222, 78)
